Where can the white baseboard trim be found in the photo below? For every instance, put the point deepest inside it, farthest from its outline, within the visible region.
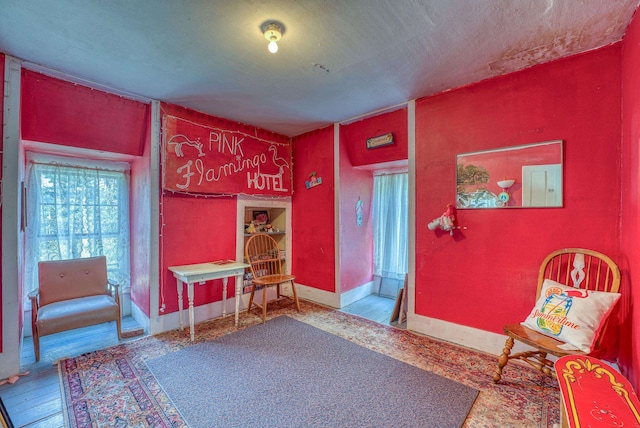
(321, 297)
(140, 317)
(171, 321)
(470, 337)
(26, 326)
(356, 294)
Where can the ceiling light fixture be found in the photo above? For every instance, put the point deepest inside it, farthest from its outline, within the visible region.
(273, 33)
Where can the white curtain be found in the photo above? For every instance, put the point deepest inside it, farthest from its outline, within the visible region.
(77, 209)
(390, 225)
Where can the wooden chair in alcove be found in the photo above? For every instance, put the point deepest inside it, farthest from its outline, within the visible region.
(263, 255)
(579, 269)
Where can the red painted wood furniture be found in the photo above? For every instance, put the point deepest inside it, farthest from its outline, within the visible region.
(594, 394)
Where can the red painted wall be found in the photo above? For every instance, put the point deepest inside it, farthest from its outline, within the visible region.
(629, 360)
(357, 164)
(61, 112)
(2, 61)
(312, 213)
(485, 275)
(356, 242)
(195, 230)
(355, 136)
(199, 229)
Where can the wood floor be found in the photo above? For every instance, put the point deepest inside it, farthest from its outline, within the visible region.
(373, 307)
(35, 400)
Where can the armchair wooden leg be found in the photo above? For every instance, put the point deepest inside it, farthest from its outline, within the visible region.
(119, 327)
(503, 360)
(36, 344)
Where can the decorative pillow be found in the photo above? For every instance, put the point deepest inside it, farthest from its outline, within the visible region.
(571, 315)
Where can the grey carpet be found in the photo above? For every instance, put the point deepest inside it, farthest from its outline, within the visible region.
(286, 373)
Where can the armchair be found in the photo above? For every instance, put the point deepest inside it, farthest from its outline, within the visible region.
(72, 294)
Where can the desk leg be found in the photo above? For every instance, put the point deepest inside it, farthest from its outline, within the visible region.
(180, 285)
(224, 296)
(190, 295)
(238, 291)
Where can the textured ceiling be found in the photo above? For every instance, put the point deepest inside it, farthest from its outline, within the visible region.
(338, 59)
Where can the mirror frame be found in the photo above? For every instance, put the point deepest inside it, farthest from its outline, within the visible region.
(525, 176)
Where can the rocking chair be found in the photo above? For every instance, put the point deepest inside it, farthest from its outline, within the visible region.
(574, 267)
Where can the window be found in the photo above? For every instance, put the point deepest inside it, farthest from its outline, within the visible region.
(77, 209)
(390, 225)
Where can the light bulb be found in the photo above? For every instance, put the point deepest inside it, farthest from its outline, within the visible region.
(273, 33)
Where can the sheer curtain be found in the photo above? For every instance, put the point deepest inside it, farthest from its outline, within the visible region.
(390, 225)
(76, 209)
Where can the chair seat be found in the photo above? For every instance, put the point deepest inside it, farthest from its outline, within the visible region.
(273, 279)
(76, 313)
(538, 340)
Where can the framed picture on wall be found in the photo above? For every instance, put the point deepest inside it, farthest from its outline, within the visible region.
(380, 141)
(261, 217)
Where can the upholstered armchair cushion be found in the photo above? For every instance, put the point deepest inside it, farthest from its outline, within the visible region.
(75, 313)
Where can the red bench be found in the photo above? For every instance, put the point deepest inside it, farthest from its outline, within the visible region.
(594, 394)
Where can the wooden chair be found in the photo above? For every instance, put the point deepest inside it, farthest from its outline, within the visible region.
(591, 271)
(263, 254)
(72, 294)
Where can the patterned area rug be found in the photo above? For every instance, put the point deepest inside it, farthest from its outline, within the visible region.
(114, 388)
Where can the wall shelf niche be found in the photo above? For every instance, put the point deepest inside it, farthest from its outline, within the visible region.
(263, 212)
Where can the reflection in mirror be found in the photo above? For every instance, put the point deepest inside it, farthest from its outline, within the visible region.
(519, 176)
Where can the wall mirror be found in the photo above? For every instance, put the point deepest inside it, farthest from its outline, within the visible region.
(511, 177)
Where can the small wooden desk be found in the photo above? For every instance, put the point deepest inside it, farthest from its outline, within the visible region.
(190, 274)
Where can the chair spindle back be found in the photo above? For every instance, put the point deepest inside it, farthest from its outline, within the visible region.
(263, 254)
(580, 268)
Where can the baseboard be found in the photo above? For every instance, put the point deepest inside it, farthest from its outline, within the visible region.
(470, 337)
(356, 294)
(201, 313)
(140, 317)
(322, 297)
